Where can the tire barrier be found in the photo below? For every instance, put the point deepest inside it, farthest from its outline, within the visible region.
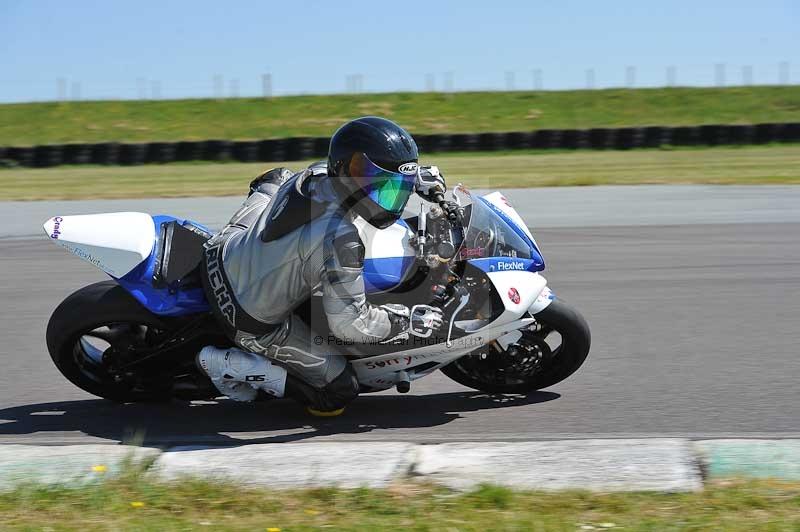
(321, 147)
(160, 152)
(245, 151)
(21, 156)
(106, 153)
(77, 153)
(47, 155)
(305, 148)
(132, 154)
(299, 148)
(217, 150)
(189, 150)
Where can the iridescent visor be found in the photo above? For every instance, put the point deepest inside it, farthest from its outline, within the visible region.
(388, 189)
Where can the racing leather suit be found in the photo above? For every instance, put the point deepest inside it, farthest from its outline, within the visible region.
(288, 240)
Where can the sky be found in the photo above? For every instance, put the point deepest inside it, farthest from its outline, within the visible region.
(79, 49)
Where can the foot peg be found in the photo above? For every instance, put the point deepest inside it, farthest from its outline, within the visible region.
(403, 382)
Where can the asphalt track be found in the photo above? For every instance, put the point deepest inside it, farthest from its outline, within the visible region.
(694, 329)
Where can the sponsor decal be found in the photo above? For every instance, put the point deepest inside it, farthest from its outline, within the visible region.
(505, 200)
(218, 286)
(405, 360)
(472, 253)
(513, 295)
(511, 265)
(56, 227)
(408, 168)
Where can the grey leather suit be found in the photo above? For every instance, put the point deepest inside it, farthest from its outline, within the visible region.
(279, 248)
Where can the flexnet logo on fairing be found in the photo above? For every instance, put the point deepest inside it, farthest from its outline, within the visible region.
(511, 265)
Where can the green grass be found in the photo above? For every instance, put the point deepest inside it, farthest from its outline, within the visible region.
(742, 165)
(255, 118)
(134, 503)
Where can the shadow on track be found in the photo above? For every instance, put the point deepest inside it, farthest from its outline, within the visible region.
(216, 423)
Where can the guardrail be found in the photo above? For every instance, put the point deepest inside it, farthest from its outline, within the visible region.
(301, 148)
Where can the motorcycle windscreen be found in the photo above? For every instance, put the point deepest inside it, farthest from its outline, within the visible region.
(491, 233)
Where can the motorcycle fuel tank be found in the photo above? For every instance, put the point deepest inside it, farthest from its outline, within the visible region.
(389, 254)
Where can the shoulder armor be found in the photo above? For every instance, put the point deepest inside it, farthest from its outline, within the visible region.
(349, 250)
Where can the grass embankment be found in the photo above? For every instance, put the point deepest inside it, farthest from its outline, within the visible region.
(742, 165)
(257, 118)
(132, 503)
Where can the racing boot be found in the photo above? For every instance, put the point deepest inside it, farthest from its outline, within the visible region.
(239, 374)
(328, 401)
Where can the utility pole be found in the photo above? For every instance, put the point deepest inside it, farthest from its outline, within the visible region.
(218, 83)
(671, 76)
(155, 90)
(537, 79)
(75, 91)
(783, 73)
(61, 89)
(590, 78)
(430, 83)
(266, 85)
(449, 84)
(630, 76)
(747, 75)
(510, 80)
(719, 74)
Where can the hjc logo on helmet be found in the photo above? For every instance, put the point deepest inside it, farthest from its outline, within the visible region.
(408, 168)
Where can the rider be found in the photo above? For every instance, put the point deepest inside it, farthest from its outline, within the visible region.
(294, 235)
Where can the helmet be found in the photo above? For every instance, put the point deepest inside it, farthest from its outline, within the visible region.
(372, 164)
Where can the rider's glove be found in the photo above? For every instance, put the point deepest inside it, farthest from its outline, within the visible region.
(453, 211)
(420, 320)
(430, 181)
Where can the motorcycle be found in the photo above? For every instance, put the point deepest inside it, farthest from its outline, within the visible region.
(135, 337)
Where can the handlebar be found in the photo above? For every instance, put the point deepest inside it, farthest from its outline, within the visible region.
(452, 214)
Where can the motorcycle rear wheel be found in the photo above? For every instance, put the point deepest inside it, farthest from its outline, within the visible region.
(490, 371)
(87, 322)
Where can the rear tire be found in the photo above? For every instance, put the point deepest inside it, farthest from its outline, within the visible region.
(92, 307)
(563, 362)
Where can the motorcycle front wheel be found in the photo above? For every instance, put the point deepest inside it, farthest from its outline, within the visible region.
(542, 357)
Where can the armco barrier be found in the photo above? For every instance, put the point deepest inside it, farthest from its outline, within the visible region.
(303, 148)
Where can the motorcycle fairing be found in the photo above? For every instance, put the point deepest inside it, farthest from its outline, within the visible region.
(114, 242)
(502, 207)
(171, 300)
(388, 254)
(122, 244)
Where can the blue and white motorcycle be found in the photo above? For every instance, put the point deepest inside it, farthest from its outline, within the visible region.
(135, 337)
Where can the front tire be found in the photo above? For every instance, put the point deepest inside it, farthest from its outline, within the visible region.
(489, 371)
(105, 307)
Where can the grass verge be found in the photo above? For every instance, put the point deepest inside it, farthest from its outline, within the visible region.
(258, 118)
(135, 503)
(778, 164)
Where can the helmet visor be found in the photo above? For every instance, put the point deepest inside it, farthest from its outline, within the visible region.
(390, 190)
